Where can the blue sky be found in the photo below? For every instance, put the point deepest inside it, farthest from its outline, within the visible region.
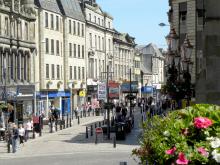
(139, 18)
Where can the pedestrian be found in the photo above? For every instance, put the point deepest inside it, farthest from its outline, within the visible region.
(21, 133)
(14, 138)
(2, 126)
(124, 112)
(28, 129)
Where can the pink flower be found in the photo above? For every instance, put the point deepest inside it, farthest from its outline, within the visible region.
(203, 151)
(202, 122)
(182, 159)
(171, 151)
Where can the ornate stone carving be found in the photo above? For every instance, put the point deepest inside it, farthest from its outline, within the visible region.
(16, 5)
(8, 3)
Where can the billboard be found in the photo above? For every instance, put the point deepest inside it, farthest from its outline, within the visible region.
(102, 91)
(125, 87)
(113, 90)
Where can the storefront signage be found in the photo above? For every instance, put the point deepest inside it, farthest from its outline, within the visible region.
(147, 89)
(102, 91)
(113, 90)
(82, 93)
(125, 87)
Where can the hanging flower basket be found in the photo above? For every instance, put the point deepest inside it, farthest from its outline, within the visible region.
(187, 136)
(59, 83)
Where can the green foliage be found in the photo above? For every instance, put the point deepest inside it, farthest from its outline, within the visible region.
(177, 130)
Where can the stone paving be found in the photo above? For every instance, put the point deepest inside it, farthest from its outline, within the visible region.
(73, 140)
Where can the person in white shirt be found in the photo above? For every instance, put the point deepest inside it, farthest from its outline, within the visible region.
(21, 133)
(28, 129)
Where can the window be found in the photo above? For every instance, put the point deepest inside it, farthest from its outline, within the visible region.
(78, 29)
(103, 43)
(47, 45)
(99, 21)
(79, 73)
(83, 73)
(102, 22)
(6, 26)
(58, 47)
(58, 71)
(70, 27)
(61, 46)
(74, 27)
(70, 49)
(46, 19)
(95, 19)
(57, 23)
(183, 18)
(26, 31)
(90, 39)
(200, 16)
(95, 42)
(74, 49)
(99, 43)
(78, 51)
(90, 18)
(47, 71)
(53, 71)
(52, 21)
(71, 72)
(61, 70)
(83, 55)
(52, 46)
(109, 25)
(75, 76)
(109, 44)
(82, 30)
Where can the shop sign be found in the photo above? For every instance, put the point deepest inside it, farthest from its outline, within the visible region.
(113, 90)
(147, 89)
(82, 93)
(102, 91)
(125, 87)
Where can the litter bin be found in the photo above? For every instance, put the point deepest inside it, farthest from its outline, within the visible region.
(97, 112)
(120, 130)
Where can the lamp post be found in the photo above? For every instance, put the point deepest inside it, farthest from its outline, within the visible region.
(178, 86)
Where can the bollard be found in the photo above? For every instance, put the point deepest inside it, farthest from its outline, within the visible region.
(33, 132)
(95, 125)
(87, 134)
(70, 122)
(114, 141)
(8, 142)
(96, 139)
(60, 124)
(91, 130)
(99, 124)
(56, 125)
(67, 121)
(93, 112)
(78, 120)
(64, 122)
(81, 114)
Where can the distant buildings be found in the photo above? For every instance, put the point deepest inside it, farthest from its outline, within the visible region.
(52, 50)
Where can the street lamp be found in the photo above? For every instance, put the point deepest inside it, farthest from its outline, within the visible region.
(179, 87)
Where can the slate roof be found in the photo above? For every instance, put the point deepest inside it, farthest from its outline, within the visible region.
(72, 9)
(50, 5)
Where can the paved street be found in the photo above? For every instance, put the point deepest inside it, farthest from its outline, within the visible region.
(70, 146)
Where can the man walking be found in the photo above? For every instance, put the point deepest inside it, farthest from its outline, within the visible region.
(15, 135)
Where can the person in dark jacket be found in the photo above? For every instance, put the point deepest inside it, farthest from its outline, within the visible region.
(14, 138)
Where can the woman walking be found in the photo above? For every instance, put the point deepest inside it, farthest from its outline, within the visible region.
(21, 133)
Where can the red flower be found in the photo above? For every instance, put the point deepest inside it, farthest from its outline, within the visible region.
(171, 151)
(202, 122)
(202, 151)
(182, 159)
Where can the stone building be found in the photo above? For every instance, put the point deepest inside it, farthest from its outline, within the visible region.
(152, 67)
(61, 61)
(99, 42)
(124, 50)
(17, 54)
(199, 19)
